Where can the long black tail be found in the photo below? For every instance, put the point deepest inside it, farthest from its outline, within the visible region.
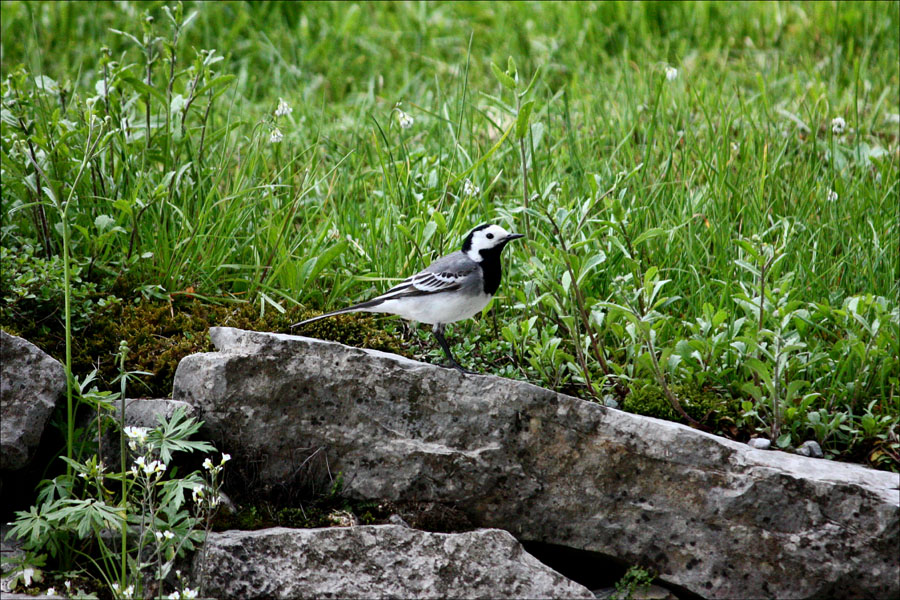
(362, 306)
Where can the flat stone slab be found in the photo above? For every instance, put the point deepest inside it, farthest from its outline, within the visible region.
(374, 561)
(714, 516)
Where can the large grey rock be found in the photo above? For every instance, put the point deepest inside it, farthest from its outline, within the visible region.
(31, 382)
(717, 517)
(375, 561)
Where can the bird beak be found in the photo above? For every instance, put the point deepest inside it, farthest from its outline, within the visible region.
(514, 236)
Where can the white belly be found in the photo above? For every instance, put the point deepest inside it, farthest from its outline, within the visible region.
(435, 308)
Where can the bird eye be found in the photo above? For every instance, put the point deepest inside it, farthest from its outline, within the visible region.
(490, 236)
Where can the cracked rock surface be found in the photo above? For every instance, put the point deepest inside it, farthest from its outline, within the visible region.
(716, 517)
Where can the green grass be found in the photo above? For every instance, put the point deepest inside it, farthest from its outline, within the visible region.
(739, 144)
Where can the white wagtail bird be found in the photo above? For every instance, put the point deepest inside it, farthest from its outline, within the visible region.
(454, 287)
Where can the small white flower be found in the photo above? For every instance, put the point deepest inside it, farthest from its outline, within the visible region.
(51, 591)
(129, 592)
(168, 535)
(27, 575)
(174, 596)
(207, 464)
(115, 586)
(838, 125)
(189, 593)
(283, 108)
(404, 119)
(832, 196)
(276, 136)
(149, 468)
(671, 73)
(225, 458)
(159, 536)
(470, 189)
(136, 433)
(198, 493)
(68, 585)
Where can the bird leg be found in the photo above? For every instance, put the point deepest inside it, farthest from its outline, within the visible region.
(438, 331)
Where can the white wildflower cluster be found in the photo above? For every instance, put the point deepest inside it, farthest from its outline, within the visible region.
(199, 493)
(206, 495)
(838, 125)
(283, 109)
(213, 468)
(137, 436)
(186, 593)
(832, 196)
(404, 119)
(470, 189)
(161, 535)
(671, 73)
(118, 592)
(149, 468)
(201, 497)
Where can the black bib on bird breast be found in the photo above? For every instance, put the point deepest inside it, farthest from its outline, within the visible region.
(490, 268)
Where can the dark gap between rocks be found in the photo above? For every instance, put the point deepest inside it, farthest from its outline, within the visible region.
(593, 570)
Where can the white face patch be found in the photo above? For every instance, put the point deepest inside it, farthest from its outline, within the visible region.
(486, 238)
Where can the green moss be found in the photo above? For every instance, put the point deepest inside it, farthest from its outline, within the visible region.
(160, 334)
(704, 405)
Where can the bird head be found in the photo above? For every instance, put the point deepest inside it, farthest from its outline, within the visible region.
(486, 239)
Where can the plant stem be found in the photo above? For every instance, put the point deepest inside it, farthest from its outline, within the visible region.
(123, 579)
(524, 168)
(70, 409)
(670, 395)
(67, 275)
(582, 308)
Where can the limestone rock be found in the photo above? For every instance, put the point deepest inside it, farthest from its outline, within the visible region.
(714, 516)
(810, 448)
(760, 443)
(374, 561)
(31, 382)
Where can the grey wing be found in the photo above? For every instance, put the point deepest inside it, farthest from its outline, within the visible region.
(446, 274)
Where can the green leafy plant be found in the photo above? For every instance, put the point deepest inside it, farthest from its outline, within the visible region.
(635, 579)
(74, 513)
